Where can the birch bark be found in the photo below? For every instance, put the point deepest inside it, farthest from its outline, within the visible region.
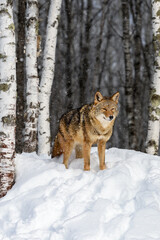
(154, 109)
(44, 138)
(31, 111)
(7, 96)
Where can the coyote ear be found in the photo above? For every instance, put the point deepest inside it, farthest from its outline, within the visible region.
(98, 97)
(115, 97)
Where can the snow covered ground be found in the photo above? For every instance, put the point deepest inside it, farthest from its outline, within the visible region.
(49, 202)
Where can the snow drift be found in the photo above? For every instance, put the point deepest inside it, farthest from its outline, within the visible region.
(49, 202)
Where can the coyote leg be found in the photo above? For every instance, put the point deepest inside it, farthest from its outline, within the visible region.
(86, 155)
(68, 147)
(57, 150)
(79, 153)
(101, 154)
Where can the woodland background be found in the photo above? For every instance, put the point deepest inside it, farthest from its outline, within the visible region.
(101, 45)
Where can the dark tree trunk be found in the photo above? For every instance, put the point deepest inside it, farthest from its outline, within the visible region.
(20, 76)
(68, 8)
(84, 46)
(128, 74)
(98, 52)
(137, 69)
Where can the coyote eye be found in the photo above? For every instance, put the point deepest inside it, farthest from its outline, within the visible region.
(104, 109)
(112, 109)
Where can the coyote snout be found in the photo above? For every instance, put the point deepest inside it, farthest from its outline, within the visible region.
(111, 117)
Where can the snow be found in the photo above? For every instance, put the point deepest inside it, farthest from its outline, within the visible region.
(49, 202)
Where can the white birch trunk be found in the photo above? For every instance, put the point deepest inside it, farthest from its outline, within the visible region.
(7, 96)
(154, 110)
(44, 138)
(31, 112)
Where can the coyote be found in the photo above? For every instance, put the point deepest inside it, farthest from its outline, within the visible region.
(82, 127)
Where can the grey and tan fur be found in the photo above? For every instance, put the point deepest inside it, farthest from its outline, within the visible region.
(83, 127)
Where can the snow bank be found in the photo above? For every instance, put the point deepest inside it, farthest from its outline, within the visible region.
(49, 202)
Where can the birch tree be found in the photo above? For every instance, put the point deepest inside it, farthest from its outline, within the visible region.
(31, 112)
(7, 96)
(44, 137)
(154, 109)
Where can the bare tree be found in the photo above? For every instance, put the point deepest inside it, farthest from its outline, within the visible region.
(128, 74)
(137, 85)
(85, 47)
(68, 10)
(44, 138)
(7, 96)
(20, 75)
(31, 111)
(98, 62)
(154, 109)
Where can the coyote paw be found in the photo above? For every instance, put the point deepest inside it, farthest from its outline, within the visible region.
(66, 165)
(103, 167)
(87, 168)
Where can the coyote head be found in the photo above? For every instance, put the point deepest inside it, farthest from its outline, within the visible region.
(105, 109)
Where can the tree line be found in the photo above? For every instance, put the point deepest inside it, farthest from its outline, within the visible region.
(36, 127)
(55, 55)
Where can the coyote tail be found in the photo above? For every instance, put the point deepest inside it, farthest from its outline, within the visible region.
(57, 150)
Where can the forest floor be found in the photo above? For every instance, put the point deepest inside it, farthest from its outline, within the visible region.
(49, 202)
